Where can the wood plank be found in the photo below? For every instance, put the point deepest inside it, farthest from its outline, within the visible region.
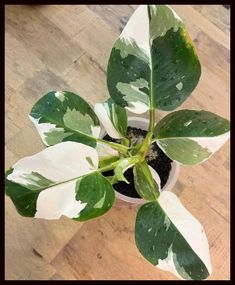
(41, 36)
(101, 45)
(71, 19)
(88, 78)
(116, 16)
(217, 14)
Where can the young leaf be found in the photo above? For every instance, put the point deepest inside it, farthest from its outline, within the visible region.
(64, 116)
(97, 192)
(43, 185)
(153, 63)
(145, 184)
(191, 136)
(169, 237)
(123, 165)
(113, 117)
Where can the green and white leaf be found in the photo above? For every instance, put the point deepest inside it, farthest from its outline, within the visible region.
(191, 136)
(97, 193)
(44, 185)
(113, 118)
(64, 116)
(153, 63)
(147, 186)
(169, 237)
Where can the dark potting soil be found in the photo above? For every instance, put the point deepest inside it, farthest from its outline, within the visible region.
(155, 158)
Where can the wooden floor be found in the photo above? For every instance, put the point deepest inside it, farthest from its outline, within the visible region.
(67, 48)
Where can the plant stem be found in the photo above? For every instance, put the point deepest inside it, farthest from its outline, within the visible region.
(119, 147)
(125, 142)
(148, 139)
(109, 167)
(151, 120)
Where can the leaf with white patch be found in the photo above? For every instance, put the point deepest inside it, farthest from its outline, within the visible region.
(113, 118)
(97, 193)
(153, 63)
(64, 116)
(191, 136)
(169, 237)
(145, 184)
(43, 185)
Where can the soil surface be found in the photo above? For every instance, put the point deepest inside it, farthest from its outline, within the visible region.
(155, 158)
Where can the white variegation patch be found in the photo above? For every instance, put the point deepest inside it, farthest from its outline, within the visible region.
(104, 117)
(43, 128)
(138, 102)
(138, 107)
(60, 95)
(100, 203)
(138, 28)
(155, 177)
(167, 264)
(188, 226)
(57, 201)
(179, 86)
(95, 131)
(212, 143)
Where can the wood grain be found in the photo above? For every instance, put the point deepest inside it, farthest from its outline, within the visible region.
(54, 47)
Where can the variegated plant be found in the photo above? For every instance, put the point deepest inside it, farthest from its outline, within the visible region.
(153, 65)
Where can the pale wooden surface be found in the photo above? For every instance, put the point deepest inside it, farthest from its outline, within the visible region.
(67, 47)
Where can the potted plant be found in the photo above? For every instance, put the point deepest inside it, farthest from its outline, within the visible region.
(153, 65)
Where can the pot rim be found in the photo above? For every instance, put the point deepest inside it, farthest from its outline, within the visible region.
(173, 175)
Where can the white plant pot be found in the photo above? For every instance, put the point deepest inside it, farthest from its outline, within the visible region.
(142, 123)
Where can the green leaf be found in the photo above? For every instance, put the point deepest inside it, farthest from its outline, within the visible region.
(113, 118)
(191, 136)
(43, 185)
(147, 187)
(97, 193)
(64, 116)
(169, 237)
(153, 63)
